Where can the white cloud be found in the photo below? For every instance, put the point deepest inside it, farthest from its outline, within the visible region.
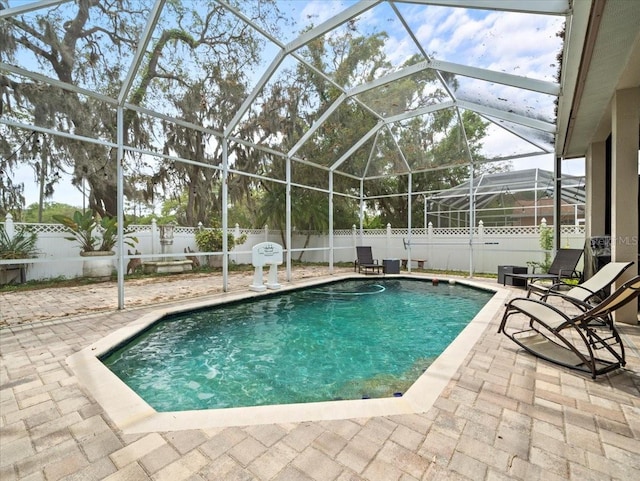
(495, 40)
(399, 50)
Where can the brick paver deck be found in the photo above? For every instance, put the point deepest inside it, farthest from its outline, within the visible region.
(504, 416)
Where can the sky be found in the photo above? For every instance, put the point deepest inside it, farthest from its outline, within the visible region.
(485, 39)
(65, 193)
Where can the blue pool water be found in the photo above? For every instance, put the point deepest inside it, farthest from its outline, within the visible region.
(346, 340)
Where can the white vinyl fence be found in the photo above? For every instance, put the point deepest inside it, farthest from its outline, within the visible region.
(480, 250)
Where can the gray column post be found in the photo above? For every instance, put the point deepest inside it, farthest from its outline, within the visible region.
(624, 190)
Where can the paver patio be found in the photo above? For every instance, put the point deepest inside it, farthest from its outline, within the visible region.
(504, 415)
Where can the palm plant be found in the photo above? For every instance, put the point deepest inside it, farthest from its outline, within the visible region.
(21, 246)
(94, 233)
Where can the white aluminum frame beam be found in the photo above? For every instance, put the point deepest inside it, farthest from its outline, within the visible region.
(30, 7)
(285, 51)
(316, 125)
(516, 81)
(516, 134)
(404, 159)
(447, 104)
(122, 97)
(173, 120)
(332, 23)
(248, 21)
(275, 63)
(541, 86)
(369, 159)
(386, 79)
(141, 51)
(535, 85)
(56, 83)
(57, 133)
(357, 145)
(511, 117)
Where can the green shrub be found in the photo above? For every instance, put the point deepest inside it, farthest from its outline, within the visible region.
(546, 242)
(210, 240)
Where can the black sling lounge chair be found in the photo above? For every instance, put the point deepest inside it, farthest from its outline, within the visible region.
(365, 262)
(563, 267)
(570, 341)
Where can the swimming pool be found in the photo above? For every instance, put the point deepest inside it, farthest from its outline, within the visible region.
(352, 339)
(127, 410)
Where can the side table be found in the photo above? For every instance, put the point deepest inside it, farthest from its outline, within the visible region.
(391, 266)
(509, 280)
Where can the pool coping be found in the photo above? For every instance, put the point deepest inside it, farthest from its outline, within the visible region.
(132, 414)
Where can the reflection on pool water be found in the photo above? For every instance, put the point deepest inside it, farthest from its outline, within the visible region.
(350, 339)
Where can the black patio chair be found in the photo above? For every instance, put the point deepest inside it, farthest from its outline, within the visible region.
(563, 267)
(365, 262)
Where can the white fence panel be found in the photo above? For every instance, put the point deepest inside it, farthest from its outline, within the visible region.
(440, 249)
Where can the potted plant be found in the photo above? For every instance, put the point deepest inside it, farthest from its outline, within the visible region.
(546, 242)
(210, 240)
(97, 237)
(22, 245)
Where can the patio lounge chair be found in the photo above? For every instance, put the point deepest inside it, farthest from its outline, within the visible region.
(365, 262)
(588, 293)
(571, 342)
(563, 267)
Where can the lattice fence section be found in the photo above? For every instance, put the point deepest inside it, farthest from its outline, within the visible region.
(180, 230)
(140, 228)
(573, 230)
(373, 232)
(41, 228)
(453, 231)
(512, 230)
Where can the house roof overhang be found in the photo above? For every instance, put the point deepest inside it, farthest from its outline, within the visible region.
(602, 55)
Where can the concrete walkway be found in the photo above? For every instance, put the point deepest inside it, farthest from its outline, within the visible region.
(504, 415)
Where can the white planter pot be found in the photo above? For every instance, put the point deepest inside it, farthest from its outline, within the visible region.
(216, 260)
(97, 264)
